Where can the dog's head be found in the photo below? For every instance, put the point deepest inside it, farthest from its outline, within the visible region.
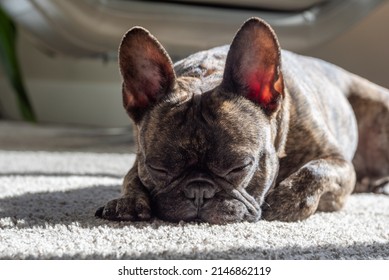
(210, 155)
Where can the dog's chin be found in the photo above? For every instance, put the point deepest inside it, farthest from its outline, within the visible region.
(218, 210)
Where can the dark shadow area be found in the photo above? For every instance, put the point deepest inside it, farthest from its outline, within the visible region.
(60, 174)
(58, 207)
(64, 207)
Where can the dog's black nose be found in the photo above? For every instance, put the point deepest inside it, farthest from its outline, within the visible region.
(199, 191)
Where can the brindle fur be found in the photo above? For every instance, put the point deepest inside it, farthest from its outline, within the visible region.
(207, 152)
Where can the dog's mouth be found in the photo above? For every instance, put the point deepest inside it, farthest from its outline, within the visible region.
(206, 202)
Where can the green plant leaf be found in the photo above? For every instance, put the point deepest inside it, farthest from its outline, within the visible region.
(10, 64)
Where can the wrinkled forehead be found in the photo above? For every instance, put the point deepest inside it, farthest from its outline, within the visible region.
(202, 122)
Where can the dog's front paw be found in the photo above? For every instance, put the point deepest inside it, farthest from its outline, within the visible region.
(289, 203)
(126, 208)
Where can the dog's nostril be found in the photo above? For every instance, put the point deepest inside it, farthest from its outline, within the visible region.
(199, 193)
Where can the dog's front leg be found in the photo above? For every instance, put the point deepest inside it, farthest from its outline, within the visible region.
(134, 205)
(322, 184)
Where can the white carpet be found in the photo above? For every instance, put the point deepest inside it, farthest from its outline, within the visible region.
(48, 200)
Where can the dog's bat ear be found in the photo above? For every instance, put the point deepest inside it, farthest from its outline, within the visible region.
(147, 71)
(253, 65)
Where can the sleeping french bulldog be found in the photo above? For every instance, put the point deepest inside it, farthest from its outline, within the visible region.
(246, 132)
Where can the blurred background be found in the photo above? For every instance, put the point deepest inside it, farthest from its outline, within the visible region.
(65, 54)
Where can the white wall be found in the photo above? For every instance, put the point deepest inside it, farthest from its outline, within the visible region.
(364, 49)
(67, 90)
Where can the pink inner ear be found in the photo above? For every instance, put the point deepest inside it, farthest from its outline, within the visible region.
(260, 84)
(145, 85)
(135, 100)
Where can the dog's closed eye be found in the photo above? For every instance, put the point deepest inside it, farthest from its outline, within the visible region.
(240, 167)
(157, 170)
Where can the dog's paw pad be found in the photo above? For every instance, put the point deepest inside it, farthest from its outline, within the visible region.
(99, 212)
(125, 209)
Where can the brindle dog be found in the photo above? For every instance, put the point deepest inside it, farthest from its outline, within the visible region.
(247, 131)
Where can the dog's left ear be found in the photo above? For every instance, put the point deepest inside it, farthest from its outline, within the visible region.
(253, 65)
(147, 71)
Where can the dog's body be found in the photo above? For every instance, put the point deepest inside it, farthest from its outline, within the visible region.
(247, 132)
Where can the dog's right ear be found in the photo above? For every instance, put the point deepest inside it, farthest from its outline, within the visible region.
(147, 72)
(253, 66)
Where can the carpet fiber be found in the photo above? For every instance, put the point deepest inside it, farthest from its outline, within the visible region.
(48, 200)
